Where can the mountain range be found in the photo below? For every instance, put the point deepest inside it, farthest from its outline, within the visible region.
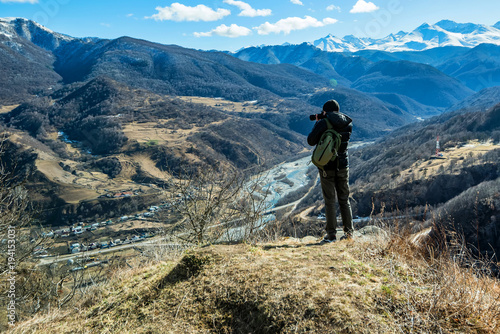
(426, 36)
(91, 116)
(39, 62)
(403, 85)
(475, 68)
(160, 68)
(406, 84)
(408, 74)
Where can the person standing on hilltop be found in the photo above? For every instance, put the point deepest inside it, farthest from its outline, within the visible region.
(335, 176)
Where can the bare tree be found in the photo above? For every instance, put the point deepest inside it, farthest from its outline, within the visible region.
(14, 216)
(216, 204)
(16, 244)
(253, 209)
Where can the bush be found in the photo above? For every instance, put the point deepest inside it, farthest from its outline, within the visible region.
(110, 166)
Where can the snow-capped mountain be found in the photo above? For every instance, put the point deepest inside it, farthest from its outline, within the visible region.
(443, 33)
(11, 29)
(348, 43)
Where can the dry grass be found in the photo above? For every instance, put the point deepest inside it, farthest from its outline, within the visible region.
(6, 109)
(289, 286)
(466, 154)
(149, 166)
(149, 132)
(226, 105)
(145, 132)
(459, 290)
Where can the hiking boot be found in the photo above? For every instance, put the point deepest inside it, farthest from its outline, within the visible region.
(327, 239)
(347, 236)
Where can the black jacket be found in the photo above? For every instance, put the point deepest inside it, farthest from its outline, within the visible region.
(343, 125)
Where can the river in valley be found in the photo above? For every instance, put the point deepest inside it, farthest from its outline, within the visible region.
(280, 181)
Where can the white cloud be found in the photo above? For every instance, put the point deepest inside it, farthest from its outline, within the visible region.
(292, 23)
(232, 31)
(107, 25)
(363, 7)
(247, 10)
(297, 2)
(180, 12)
(329, 20)
(20, 1)
(130, 15)
(333, 7)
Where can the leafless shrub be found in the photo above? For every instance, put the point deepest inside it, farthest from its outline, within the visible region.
(16, 244)
(217, 205)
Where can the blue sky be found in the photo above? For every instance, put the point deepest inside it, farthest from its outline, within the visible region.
(233, 24)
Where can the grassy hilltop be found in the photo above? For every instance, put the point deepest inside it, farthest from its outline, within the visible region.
(371, 285)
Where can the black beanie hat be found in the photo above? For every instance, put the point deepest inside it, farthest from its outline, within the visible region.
(331, 105)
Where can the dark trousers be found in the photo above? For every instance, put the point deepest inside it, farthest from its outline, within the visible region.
(336, 181)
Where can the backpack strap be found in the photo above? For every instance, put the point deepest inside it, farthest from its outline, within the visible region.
(339, 142)
(328, 124)
(337, 147)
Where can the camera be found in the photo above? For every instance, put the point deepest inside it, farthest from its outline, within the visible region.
(316, 116)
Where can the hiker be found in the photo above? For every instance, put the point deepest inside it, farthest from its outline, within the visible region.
(335, 174)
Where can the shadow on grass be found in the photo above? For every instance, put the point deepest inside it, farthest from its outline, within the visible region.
(190, 265)
(244, 316)
(268, 247)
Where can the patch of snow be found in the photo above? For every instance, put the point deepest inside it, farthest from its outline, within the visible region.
(9, 36)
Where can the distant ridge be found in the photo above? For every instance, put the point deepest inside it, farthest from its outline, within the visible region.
(32, 31)
(481, 101)
(164, 69)
(443, 33)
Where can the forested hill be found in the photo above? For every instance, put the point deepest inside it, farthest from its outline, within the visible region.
(457, 189)
(418, 141)
(169, 69)
(35, 56)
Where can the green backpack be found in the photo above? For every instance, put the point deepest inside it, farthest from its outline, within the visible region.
(327, 148)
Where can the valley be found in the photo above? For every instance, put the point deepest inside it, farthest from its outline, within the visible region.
(118, 121)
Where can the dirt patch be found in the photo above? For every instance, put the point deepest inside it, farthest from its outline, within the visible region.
(78, 185)
(151, 133)
(149, 166)
(6, 109)
(135, 225)
(54, 172)
(247, 107)
(53, 135)
(75, 195)
(28, 142)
